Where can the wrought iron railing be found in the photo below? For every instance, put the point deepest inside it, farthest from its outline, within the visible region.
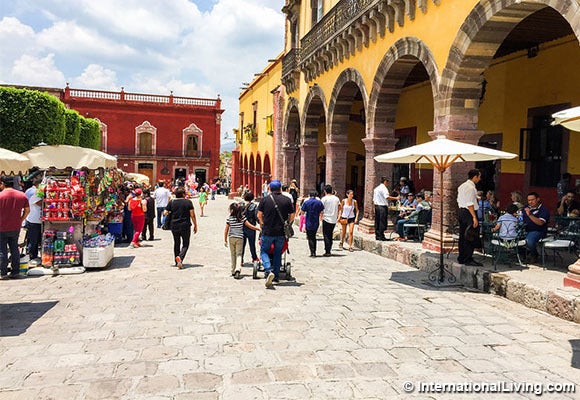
(332, 24)
(290, 62)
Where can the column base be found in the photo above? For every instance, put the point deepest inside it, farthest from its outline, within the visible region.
(572, 279)
(432, 241)
(367, 226)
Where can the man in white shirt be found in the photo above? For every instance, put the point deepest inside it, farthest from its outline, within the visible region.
(161, 196)
(467, 202)
(34, 219)
(381, 197)
(329, 217)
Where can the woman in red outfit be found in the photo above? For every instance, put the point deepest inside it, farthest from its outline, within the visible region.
(138, 207)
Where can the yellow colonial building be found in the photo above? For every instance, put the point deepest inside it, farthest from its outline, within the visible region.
(259, 118)
(365, 77)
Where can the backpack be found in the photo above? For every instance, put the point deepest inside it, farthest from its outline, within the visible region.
(251, 213)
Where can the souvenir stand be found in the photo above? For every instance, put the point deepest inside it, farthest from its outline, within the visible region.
(79, 191)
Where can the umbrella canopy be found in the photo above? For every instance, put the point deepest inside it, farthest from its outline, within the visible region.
(12, 162)
(442, 153)
(63, 156)
(569, 118)
(135, 177)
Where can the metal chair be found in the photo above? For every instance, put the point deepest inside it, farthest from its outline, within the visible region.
(565, 240)
(421, 224)
(504, 241)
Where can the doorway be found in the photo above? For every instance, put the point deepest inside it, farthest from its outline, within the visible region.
(200, 176)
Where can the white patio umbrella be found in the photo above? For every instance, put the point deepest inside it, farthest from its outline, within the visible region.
(135, 177)
(569, 118)
(442, 153)
(63, 156)
(12, 162)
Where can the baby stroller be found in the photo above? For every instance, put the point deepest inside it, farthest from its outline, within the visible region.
(285, 268)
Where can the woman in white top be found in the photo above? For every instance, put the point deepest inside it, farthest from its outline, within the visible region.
(348, 211)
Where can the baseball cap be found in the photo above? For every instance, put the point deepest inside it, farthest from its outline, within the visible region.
(138, 192)
(275, 185)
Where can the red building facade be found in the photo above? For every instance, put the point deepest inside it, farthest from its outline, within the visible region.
(163, 137)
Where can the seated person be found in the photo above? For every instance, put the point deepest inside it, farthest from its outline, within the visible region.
(484, 206)
(536, 218)
(507, 224)
(422, 205)
(568, 206)
(409, 202)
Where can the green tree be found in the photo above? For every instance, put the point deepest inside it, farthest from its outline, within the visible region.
(90, 136)
(73, 127)
(28, 117)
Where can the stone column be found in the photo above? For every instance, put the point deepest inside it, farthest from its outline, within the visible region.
(336, 166)
(308, 152)
(373, 172)
(289, 172)
(452, 178)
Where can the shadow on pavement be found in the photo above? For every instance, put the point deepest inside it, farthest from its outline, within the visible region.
(16, 318)
(420, 279)
(118, 262)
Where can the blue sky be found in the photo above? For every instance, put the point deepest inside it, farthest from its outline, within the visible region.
(198, 48)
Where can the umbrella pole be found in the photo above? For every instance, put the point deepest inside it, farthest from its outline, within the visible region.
(441, 265)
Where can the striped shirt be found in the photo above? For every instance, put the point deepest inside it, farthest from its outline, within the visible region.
(236, 227)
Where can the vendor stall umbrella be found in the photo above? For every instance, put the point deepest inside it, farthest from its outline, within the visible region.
(141, 179)
(64, 156)
(13, 163)
(442, 153)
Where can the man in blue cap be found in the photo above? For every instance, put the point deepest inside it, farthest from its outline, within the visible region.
(273, 211)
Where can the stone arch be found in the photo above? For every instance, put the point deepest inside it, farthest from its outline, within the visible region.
(257, 174)
(245, 169)
(291, 137)
(267, 168)
(389, 79)
(348, 83)
(291, 121)
(314, 106)
(473, 49)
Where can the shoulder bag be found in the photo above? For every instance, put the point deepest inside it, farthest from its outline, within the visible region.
(167, 222)
(288, 230)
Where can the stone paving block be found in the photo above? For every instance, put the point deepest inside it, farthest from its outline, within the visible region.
(117, 356)
(334, 371)
(41, 378)
(13, 378)
(221, 364)
(330, 389)
(91, 372)
(178, 367)
(288, 391)
(158, 384)
(251, 376)
(293, 373)
(108, 389)
(479, 365)
(373, 369)
(19, 394)
(135, 368)
(60, 392)
(241, 392)
(202, 381)
(158, 353)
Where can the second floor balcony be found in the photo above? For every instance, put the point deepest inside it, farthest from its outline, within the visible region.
(349, 26)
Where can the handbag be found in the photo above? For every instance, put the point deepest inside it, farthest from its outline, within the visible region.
(167, 222)
(288, 230)
(343, 221)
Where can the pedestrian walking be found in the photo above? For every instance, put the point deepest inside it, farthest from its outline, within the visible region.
(234, 231)
(161, 196)
(349, 213)
(149, 216)
(329, 217)
(13, 210)
(138, 207)
(468, 206)
(273, 211)
(312, 208)
(182, 217)
(202, 200)
(250, 212)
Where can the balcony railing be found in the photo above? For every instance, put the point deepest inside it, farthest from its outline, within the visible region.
(290, 62)
(333, 23)
(142, 98)
(159, 153)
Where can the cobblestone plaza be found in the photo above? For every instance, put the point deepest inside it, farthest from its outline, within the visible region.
(350, 326)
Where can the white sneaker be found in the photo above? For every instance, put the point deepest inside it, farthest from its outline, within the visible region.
(269, 280)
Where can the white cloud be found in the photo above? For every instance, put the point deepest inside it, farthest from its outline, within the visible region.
(148, 46)
(34, 71)
(96, 77)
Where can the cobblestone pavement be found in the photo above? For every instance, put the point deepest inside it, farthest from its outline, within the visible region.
(351, 326)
